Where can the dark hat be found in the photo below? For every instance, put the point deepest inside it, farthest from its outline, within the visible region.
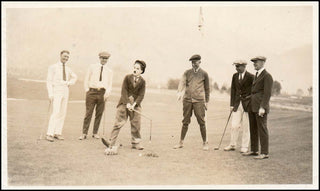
(258, 58)
(195, 57)
(104, 54)
(142, 64)
(240, 62)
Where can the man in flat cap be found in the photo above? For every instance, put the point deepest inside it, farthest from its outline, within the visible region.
(260, 97)
(240, 106)
(98, 85)
(132, 94)
(195, 87)
(60, 77)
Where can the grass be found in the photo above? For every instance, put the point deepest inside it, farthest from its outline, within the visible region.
(82, 163)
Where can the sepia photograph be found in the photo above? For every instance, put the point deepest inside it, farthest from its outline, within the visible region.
(159, 95)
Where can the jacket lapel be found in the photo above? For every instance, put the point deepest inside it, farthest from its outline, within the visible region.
(259, 77)
(245, 77)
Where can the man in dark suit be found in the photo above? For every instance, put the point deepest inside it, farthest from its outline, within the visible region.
(132, 94)
(260, 97)
(240, 105)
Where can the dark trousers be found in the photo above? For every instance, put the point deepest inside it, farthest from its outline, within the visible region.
(199, 111)
(94, 99)
(259, 132)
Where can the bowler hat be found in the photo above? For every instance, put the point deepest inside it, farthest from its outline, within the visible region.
(142, 64)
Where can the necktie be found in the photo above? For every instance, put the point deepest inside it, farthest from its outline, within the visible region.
(100, 79)
(257, 74)
(240, 78)
(64, 72)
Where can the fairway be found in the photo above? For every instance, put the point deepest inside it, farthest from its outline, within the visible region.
(82, 163)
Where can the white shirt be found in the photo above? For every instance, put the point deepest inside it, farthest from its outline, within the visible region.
(55, 77)
(93, 75)
(259, 71)
(242, 74)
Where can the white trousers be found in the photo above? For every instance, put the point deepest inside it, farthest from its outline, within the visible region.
(59, 110)
(240, 118)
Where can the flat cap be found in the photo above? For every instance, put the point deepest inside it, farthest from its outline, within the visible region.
(142, 64)
(104, 54)
(258, 58)
(240, 62)
(195, 57)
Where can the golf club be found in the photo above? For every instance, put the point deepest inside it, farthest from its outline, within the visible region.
(148, 119)
(217, 148)
(46, 122)
(104, 117)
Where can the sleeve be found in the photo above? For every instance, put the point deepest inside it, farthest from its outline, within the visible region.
(50, 81)
(73, 78)
(142, 91)
(207, 87)
(182, 84)
(124, 90)
(233, 92)
(86, 79)
(268, 83)
(108, 90)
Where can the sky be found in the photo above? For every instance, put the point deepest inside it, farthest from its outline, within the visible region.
(165, 37)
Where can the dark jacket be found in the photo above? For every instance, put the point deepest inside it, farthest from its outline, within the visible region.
(128, 90)
(197, 86)
(241, 91)
(261, 92)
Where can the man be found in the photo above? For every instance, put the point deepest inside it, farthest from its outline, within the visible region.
(260, 97)
(195, 87)
(240, 106)
(132, 94)
(98, 85)
(59, 78)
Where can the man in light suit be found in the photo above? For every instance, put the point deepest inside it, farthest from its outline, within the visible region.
(260, 97)
(240, 106)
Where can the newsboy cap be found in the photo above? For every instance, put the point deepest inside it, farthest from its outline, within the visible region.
(258, 58)
(104, 54)
(240, 62)
(142, 64)
(195, 57)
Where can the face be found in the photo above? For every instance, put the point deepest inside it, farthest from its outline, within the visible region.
(64, 57)
(258, 64)
(196, 64)
(103, 60)
(240, 68)
(137, 69)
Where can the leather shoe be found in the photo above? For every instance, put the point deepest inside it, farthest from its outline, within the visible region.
(96, 136)
(244, 150)
(84, 136)
(205, 146)
(230, 148)
(137, 146)
(250, 154)
(59, 137)
(49, 138)
(178, 146)
(261, 156)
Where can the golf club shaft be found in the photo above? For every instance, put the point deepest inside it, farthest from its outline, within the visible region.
(225, 129)
(146, 118)
(104, 117)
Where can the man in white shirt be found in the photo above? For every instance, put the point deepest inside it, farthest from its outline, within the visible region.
(59, 78)
(98, 85)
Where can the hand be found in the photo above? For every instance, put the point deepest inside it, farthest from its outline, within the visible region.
(231, 108)
(131, 99)
(261, 111)
(129, 107)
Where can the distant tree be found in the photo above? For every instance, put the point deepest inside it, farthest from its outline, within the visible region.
(173, 84)
(276, 88)
(300, 92)
(223, 88)
(215, 86)
(310, 90)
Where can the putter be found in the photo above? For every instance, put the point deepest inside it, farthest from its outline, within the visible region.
(217, 148)
(46, 122)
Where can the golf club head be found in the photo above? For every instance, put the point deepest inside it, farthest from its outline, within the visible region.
(217, 148)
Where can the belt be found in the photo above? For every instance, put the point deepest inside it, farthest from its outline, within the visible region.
(96, 89)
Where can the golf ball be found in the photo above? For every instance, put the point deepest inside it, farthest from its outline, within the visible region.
(140, 154)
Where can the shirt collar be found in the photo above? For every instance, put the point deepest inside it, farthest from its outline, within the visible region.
(196, 69)
(259, 71)
(60, 63)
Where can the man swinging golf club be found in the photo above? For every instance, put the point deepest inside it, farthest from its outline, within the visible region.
(59, 78)
(195, 86)
(132, 94)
